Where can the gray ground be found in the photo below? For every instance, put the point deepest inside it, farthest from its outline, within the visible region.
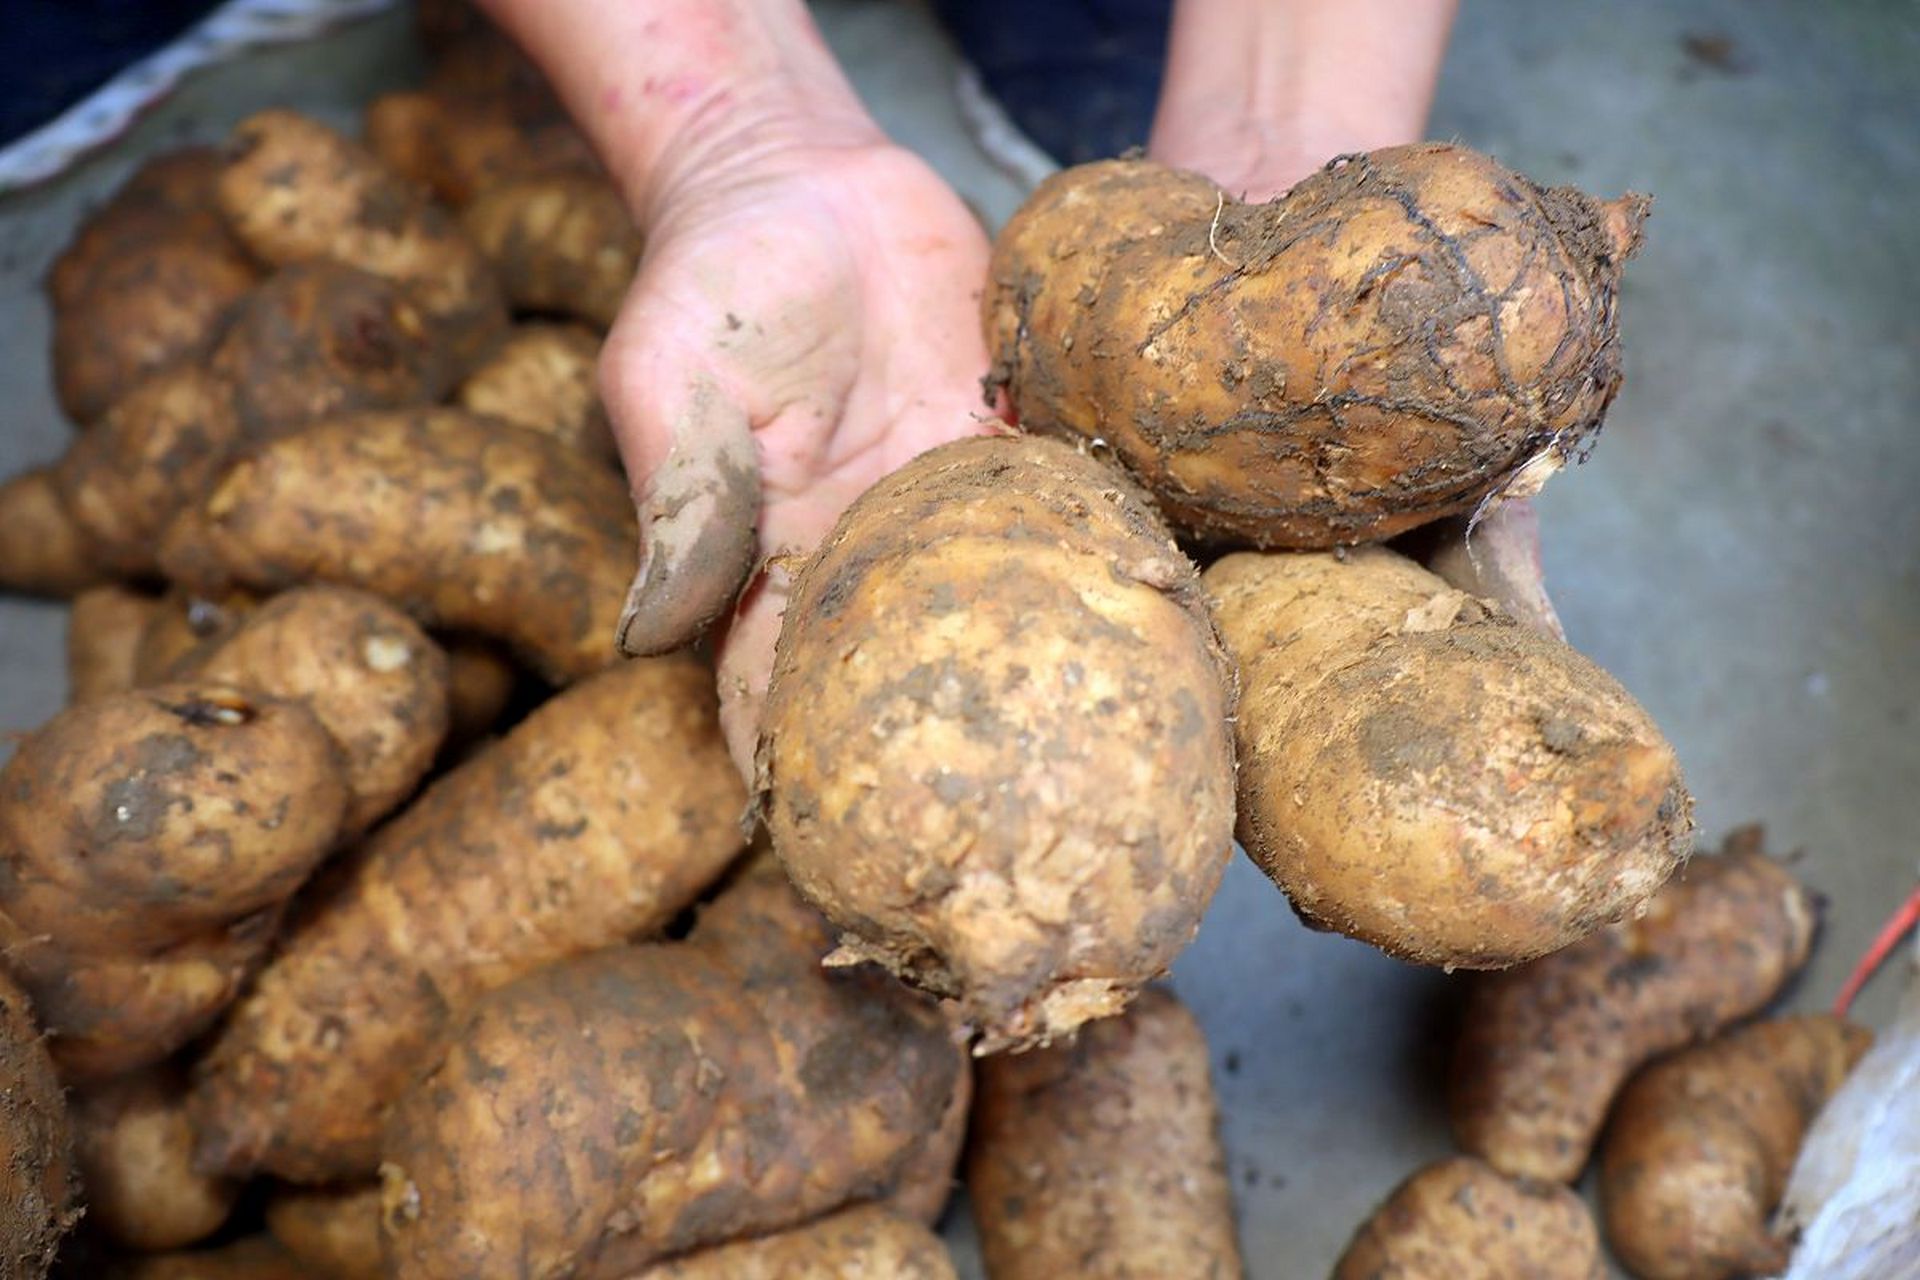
(1743, 550)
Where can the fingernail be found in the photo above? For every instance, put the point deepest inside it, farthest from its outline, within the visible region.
(637, 591)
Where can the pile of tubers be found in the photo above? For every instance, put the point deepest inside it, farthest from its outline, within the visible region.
(365, 914)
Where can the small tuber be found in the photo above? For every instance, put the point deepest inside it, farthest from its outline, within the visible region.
(598, 818)
(1100, 1157)
(147, 843)
(1461, 1219)
(135, 1152)
(103, 640)
(629, 1105)
(1544, 1047)
(1698, 1148)
(468, 524)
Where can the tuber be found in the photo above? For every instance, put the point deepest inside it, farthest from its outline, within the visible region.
(147, 842)
(316, 340)
(542, 377)
(147, 283)
(256, 1257)
(1424, 773)
(366, 671)
(597, 818)
(104, 630)
(1462, 1219)
(480, 684)
(172, 191)
(995, 751)
(320, 339)
(562, 243)
(459, 145)
(639, 1102)
(1400, 335)
(926, 1182)
(157, 307)
(865, 1242)
(42, 551)
(153, 452)
(468, 524)
(1544, 1047)
(135, 1153)
(294, 190)
(1100, 1157)
(1697, 1151)
(333, 1231)
(183, 623)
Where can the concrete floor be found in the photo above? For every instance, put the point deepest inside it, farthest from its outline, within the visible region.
(1743, 550)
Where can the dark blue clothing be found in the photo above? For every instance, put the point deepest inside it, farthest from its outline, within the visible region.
(1079, 77)
(53, 53)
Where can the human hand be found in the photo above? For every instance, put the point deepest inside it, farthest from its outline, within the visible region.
(805, 320)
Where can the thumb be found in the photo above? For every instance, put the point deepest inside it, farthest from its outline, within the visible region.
(689, 450)
(1500, 559)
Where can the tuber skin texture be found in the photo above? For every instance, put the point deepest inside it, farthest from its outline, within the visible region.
(562, 244)
(103, 640)
(160, 305)
(37, 1202)
(1424, 773)
(485, 115)
(147, 842)
(118, 1014)
(469, 525)
(294, 190)
(1544, 1047)
(158, 449)
(1699, 1146)
(366, 671)
(1100, 1157)
(316, 340)
(336, 1232)
(135, 1152)
(1462, 1219)
(42, 551)
(256, 1257)
(459, 145)
(598, 818)
(1401, 334)
(333, 1231)
(926, 1182)
(321, 339)
(993, 603)
(643, 1101)
(172, 191)
(866, 1242)
(147, 283)
(543, 377)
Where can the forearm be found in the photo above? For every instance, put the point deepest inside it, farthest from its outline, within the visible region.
(1259, 93)
(668, 88)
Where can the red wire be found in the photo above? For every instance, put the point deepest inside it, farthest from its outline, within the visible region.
(1883, 944)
